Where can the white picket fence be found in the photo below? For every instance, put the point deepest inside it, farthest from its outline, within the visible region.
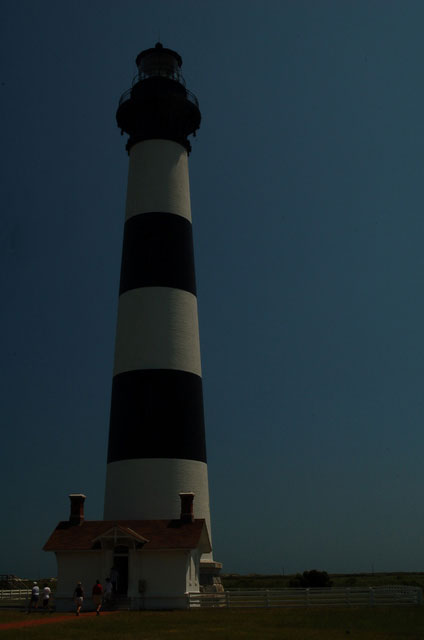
(15, 594)
(337, 596)
(247, 598)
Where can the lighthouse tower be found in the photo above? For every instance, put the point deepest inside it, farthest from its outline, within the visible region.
(157, 437)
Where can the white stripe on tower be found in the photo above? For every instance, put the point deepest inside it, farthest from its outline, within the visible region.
(156, 438)
(154, 165)
(157, 329)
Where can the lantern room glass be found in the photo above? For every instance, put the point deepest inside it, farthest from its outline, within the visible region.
(159, 63)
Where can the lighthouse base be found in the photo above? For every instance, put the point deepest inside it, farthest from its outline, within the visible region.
(210, 579)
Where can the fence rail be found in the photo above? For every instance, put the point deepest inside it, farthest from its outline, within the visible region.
(247, 598)
(353, 596)
(15, 594)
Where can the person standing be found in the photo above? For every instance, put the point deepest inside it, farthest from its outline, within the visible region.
(108, 593)
(97, 594)
(35, 596)
(46, 596)
(114, 578)
(78, 597)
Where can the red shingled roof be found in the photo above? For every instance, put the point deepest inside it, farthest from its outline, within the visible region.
(158, 534)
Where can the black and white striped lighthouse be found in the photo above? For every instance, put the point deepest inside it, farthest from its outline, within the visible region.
(157, 435)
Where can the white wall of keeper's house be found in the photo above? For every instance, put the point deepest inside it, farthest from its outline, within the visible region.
(81, 566)
(165, 573)
(159, 578)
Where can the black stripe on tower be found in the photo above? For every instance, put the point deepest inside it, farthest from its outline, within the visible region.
(157, 413)
(158, 252)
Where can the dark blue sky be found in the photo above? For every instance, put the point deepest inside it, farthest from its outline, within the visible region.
(307, 192)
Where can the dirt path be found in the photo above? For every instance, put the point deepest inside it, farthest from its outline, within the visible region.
(51, 619)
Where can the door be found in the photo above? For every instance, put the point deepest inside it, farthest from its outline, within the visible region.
(120, 561)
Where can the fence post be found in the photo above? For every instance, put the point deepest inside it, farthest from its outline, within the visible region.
(267, 598)
(227, 599)
(307, 597)
(371, 597)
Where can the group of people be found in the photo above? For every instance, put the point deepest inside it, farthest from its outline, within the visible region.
(99, 594)
(35, 597)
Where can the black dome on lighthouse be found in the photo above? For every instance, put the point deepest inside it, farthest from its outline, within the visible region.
(158, 50)
(158, 105)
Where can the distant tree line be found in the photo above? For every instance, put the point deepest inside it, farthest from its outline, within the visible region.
(311, 579)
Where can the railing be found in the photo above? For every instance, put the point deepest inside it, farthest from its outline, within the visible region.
(187, 94)
(352, 596)
(15, 594)
(10, 581)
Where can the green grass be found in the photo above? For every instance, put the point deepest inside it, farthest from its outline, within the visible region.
(380, 623)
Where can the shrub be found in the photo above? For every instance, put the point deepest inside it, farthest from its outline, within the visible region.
(311, 579)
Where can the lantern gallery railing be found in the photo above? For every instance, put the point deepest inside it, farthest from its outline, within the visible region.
(187, 94)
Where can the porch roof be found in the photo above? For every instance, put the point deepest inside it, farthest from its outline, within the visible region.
(153, 534)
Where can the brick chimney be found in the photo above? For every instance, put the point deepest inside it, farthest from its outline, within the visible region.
(77, 508)
(187, 506)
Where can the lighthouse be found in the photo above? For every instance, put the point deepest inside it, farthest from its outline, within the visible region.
(154, 542)
(156, 444)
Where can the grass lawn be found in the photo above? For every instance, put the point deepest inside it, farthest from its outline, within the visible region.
(379, 623)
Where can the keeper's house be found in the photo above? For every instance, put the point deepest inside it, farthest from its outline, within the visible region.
(154, 563)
